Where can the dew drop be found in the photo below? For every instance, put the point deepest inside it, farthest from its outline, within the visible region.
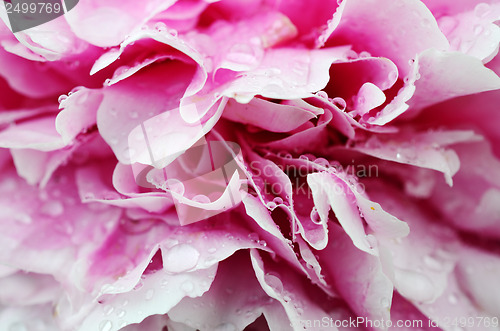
(322, 162)
(149, 294)
(62, 98)
(242, 54)
(180, 258)
(271, 205)
(201, 198)
(478, 29)
(253, 236)
(322, 94)
(393, 76)
(364, 54)
(274, 282)
(453, 299)
(339, 103)
(385, 302)
(105, 326)
(134, 114)
(482, 9)
(187, 286)
(52, 208)
(160, 27)
(414, 285)
(315, 218)
(278, 200)
(175, 186)
(432, 262)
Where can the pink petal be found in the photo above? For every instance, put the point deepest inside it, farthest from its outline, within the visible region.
(357, 276)
(447, 75)
(229, 292)
(426, 149)
(477, 273)
(39, 134)
(78, 113)
(400, 40)
(422, 261)
(267, 115)
(88, 20)
(187, 268)
(475, 192)
(289, 289)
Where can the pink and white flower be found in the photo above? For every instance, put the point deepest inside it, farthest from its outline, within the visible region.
(252, 165)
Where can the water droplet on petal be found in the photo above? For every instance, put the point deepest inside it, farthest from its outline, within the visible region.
(253, 236)
(432, 262)
(453, 299)
(364, 54)
(393, 75)
(108, 309)
(121, 313)
(271, 205)
(149, 294)
(278, 200)
(322, 162)
(187, 286)
(62, 98)
(201, 198)
(339, 103)
(242, 54)
(385, 302)
(414, 285)
(52, 208)
(274, 282)
(478, 29)
(482, 9)
(180, 258)
(322, 94)
(105, 326)
(315, 218)
(160, 27)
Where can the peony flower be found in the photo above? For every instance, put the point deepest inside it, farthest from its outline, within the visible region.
(251, 165)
